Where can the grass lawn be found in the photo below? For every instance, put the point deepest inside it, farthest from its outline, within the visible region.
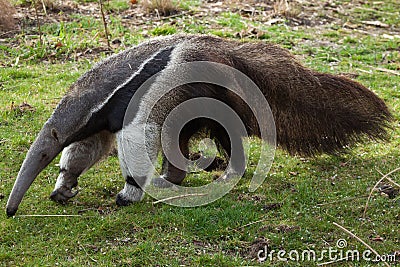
(299, 201)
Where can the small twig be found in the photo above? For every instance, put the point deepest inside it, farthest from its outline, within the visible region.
(341, 200)
(3, 141)
(360, 240)
(375, 186)
(178, 197)
(52, 98)
(390, 180)
(251, 223)
(44, 7)
(104, 23)
(47, 215)
(157, 13)
(373, 10)
(175, 15)
(393, 182)
(87, 254)
(365, 71)
(9, 32)
(388, 71)
(94, 37)
(88, 209)
(38, 22)
(370, 195)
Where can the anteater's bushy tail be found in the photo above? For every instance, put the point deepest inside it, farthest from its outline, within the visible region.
(7, 21)
(330, 115)
(314, 112)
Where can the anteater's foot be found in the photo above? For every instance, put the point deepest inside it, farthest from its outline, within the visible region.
(129, 194)
(62, 194)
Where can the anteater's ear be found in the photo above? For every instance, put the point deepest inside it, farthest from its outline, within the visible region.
(54, 134)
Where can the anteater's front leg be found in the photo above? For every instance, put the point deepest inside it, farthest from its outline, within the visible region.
(138, 145)
(76, 159)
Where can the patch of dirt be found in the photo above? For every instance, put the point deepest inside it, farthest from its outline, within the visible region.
(272, 206)
(268, 12)
(318, 15)
(22, 108)
(253, 252)
(287, 228)
(256, 199)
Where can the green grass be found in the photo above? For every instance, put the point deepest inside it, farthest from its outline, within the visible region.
(293, 209)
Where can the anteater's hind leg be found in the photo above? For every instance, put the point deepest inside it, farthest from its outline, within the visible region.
(170, 173)
(76, 159)
(233, 146)
(173, 175)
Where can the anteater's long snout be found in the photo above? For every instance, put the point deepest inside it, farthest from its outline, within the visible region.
(41, 153)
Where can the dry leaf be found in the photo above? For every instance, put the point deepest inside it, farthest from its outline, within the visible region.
(58, 44)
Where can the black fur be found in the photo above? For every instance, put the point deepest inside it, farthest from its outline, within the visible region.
(131, 181)
(111, 116)
(122, 202)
